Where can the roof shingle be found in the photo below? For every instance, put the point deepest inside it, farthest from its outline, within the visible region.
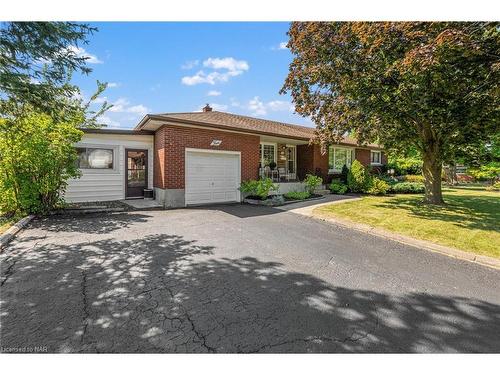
(244, 123)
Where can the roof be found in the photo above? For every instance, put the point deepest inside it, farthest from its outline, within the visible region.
(117, 131)
(230, 121)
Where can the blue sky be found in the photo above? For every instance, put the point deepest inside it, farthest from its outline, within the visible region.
(178, 67)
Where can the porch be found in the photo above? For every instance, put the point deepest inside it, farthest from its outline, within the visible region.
(278, 161)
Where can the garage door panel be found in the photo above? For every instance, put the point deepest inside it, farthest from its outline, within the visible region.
(211, 177)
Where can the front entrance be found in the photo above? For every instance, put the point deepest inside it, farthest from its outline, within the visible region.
(136, 173)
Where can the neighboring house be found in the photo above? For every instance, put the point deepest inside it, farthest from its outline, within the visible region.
(202, 157)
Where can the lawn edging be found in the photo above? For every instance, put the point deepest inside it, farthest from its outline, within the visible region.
(420, 244)
(10, 233)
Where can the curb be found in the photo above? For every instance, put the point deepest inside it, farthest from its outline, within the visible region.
(420, 244)
(88, 211)
(10, 233)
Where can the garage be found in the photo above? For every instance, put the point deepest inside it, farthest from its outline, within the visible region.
(212, 176)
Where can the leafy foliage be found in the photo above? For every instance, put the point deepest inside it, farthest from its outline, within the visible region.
(377, 186)
(490, 171)
(429, 86)
(312, 182)
(37, 60)
(344, 173)
(407, 188)
(358, 178)
(259, 188)
(494, 187)
(297, 195)
(405, 165)
(338, 188)
(413, 178)
(37, 157)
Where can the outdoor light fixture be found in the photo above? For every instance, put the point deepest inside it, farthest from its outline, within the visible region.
(216, 142)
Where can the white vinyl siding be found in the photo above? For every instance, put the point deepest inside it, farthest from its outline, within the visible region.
(108, 184)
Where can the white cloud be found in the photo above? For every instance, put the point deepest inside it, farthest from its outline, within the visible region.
(106, 120)
(114, 84)
(190, 64)
(122, 105)
(280, 105)
(280, 47)
(230, 68)
(228, 63)
(214, 93)
(259, 108)
(81, 52)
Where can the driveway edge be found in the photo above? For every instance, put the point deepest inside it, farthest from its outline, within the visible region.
(421, 244)
(10, 233)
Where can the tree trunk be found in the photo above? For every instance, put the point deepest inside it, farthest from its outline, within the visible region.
(432, 169)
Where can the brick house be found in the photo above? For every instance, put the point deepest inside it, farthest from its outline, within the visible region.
(202, 157)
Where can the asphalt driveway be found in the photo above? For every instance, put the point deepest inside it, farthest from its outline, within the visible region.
(236, 279)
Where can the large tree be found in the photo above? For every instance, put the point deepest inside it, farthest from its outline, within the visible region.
(431, 86)
(37, 60)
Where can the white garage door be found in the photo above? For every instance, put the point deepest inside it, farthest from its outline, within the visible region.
(212, 177)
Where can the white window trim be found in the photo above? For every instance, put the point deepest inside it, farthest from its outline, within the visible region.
(380, 157)
(262, 152)
(116, 161)
(294, 158)
(331, 147)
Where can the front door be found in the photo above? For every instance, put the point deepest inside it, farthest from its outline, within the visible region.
(136, 172)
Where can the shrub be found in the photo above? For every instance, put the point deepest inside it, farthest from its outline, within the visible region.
(259, 188)
(338, 188)
(358, 178)
(37, 157)
(312, 182)
(378, 187)
(413, 178)
(407, 188)
(490, 171)
(343, 174)
(402, 166)
(297, 195)
(494, 187)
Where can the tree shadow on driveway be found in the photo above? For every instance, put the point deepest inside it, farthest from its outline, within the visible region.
(166, 293)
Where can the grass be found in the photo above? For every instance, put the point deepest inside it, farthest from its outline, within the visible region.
(470, 221)
(6, 223)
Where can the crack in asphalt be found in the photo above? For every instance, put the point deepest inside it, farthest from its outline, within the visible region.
(8, 272)
(85, 309)
(310, 339)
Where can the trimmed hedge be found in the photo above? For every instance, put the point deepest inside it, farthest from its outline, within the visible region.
(407, 188)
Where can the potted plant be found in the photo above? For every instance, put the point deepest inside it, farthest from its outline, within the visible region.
(272, 165)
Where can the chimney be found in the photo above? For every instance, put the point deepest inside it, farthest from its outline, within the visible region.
(207, 108)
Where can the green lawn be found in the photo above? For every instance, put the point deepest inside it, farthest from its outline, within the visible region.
(470, 221)
(5, 224)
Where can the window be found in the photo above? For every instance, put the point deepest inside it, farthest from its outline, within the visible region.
(290, 159)
(267, 154)
(338, 157)
(375, 157)
(94, 158)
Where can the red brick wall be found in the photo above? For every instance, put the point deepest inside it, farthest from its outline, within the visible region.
(310, 160)
(175, 139)
(159, 159)
(363, 155)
